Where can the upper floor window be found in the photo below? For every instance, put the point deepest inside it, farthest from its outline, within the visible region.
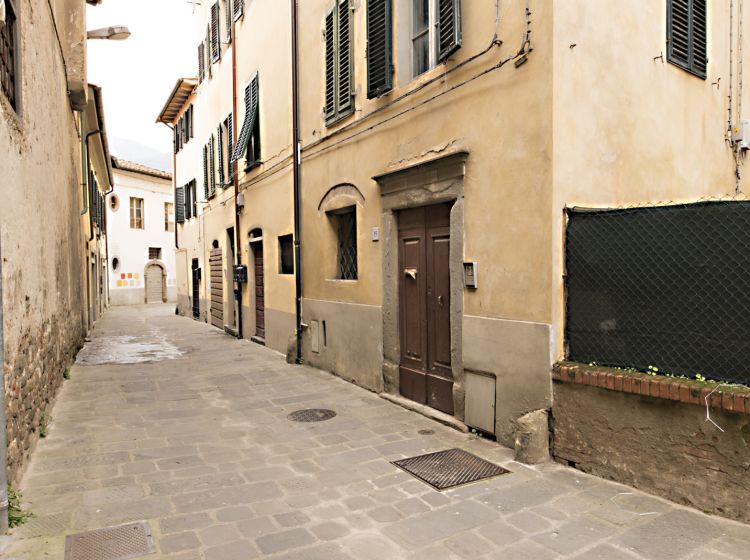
(248, 141)
(379, 47)
(436, 32)
(8, 51)
(344, 222)
(214, 33)
(687, 35)
(339, 58)
(183, 130)
(168, 216)
(186, 202)
(136, 213)
(154, 253)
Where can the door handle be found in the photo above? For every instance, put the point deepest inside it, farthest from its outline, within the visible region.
(411, 273)
(440, 301)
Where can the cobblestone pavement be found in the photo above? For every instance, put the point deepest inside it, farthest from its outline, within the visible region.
(170, 421)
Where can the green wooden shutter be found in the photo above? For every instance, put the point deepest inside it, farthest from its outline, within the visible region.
(209, 68)
(220, 136)
(449, 28)
(255, 128)
(239, 9)
(330, 37)
(215, 39)
(179, 205)
(687, 35)
(379, 47)
(176, 136)
(201, 62)
(251, 113)
(230, 146)
(212, 164)
(345, 66)
(205, 171)
(229, 19)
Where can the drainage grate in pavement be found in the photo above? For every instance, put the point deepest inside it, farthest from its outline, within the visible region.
(450, 468)
(112, 543)
(311, 415)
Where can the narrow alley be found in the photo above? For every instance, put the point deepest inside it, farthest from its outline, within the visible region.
(169, 421)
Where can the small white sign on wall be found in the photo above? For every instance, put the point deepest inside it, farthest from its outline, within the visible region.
(376, 234)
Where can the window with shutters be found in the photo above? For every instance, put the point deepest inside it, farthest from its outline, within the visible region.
(207, 48)
(206, 186)
(180, 201)
(344, 223)
(436, 33)
(8, 54)
(212, 166)
(379, 47)
(215, 38)
(221, 136)
(226, 6)
(187, 202)
(339, 63)
(168, 216)
(248, 141)
(238, 9)
(687, 35)
(136, 213)
(229, 125)
(286, 254)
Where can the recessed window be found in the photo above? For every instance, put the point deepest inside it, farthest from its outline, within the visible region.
(286, 254)
(168, 216)
(421, 45)
(114, 203)
(154, 253)
(136, 213)
(8, 54)
(115, 263)
(345, 225)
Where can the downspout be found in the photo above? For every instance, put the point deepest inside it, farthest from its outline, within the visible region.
(3, 442)
(297, 147)
(236, 181)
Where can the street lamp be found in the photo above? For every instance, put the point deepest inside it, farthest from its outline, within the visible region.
(113, 33)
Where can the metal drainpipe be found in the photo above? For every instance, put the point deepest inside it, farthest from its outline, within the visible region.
(297, 147)
(3, 442)
(236, 181)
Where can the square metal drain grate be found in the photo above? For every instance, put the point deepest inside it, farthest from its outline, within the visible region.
(450, 468)
(113, 543)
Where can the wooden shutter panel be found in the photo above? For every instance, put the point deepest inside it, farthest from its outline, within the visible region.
(229, 19)
(449, 28)
(699, 43)
(201, 62)
(179, 206)
(176, 138)
(330, 108)
(230, 144)
(687, 35)
(212, 164)
(220, 136)
(345, 66)
(208, 51)
(379, 47)
(205, 171)
(215, 41)
(239, 9)
(251, 114)
(679, 31)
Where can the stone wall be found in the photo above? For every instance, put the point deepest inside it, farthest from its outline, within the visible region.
(655, 440)
(41, 237)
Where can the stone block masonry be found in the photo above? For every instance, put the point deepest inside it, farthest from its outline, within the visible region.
(652, 432)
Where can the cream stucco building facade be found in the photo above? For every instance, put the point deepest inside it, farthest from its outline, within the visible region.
(465, 152)
(141, 235)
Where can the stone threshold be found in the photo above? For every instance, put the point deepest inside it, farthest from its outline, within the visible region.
(424, 410)
(731, 398)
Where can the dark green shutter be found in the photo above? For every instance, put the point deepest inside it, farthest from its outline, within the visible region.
(345, 65)
(687, 35)
(220, 136)
(330, 36)
(179, 205)
(230, 144)
(239, 9)
(201, 62)
(209, 68)
(212, 164)
(228, 17)
(449, 28)
(205, 171)
(194, 196)
(379, 47)
(215, 39)
(248, 125)
(175, 142)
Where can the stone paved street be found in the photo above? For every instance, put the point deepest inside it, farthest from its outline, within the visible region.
(173, 422)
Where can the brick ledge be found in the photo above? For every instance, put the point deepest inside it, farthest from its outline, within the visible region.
(730, 398)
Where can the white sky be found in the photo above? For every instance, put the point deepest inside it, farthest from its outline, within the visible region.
(137, 75)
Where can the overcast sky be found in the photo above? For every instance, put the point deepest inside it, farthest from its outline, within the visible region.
(138, 74)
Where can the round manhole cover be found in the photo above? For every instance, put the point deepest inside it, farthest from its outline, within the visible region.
(311, 415)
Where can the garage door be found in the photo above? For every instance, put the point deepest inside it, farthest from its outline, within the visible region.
(154, 284)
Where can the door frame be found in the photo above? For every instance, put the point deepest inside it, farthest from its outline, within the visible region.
(430, 182)
(163, 280)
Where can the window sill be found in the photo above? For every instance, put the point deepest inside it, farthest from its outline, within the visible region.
(334, 121)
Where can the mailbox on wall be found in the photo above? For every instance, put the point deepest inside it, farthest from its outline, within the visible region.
(240, 274)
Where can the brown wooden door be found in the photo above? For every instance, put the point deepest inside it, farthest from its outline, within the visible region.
(217, 289)
(260, 300)
(424, 296)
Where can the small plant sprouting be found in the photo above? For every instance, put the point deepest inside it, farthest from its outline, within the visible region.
(652, 370)
(699, 377)
(66, 373)
(44, 422)
(16, 515)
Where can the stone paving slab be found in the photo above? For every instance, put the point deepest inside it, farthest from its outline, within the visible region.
(194, 438)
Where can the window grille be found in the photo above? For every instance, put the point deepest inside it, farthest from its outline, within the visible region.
(154, 253)
(347, 243)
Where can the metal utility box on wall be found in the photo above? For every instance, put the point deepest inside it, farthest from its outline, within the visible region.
(471, 270)
(480, 401)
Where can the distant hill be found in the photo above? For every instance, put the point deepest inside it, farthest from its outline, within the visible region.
(140, 153)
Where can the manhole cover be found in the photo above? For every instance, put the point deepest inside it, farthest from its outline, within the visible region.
(450, 468)
(311, 415)
(112, 543)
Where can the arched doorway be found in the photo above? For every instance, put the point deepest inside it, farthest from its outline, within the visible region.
(154, 284)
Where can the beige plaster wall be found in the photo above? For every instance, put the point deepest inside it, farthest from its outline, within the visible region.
(41, 230)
